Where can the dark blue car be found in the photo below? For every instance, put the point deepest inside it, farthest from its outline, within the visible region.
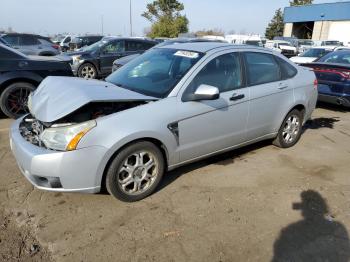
(333, 75)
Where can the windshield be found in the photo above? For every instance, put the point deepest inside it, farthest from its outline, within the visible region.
(331, 43)
(316, 52)
(341, 57)
(156, 72)
(95, 46)
(306, 42)
(284, 44)
(253, 42)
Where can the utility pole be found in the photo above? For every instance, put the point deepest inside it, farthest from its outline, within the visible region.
(102, 24)
(130, 19)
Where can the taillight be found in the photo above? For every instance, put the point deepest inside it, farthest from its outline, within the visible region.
(342, 72)
(56, 46)
(315, 83)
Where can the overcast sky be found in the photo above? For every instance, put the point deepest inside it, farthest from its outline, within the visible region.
(84, 16)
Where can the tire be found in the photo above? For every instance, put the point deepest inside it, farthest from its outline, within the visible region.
(124, 167)
(290, 130)
(13, 100)
(87, 71)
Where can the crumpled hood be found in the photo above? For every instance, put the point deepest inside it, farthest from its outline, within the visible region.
(57, 97)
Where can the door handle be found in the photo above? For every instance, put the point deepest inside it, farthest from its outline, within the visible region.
(282, 86)
(236, 97)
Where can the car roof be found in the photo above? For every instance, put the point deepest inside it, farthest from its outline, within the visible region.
(108, 38)
(204, 47)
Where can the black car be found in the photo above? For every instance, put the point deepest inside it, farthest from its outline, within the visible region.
(333, 76)
(21, 74)
(124, 60)
(81, 41)
(96, 60)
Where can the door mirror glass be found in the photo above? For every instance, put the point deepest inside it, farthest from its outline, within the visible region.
(204, 92)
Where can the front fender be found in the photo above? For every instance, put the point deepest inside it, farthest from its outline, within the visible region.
(20, 75)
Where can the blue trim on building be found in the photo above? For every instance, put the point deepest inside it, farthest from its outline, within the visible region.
(318, 12)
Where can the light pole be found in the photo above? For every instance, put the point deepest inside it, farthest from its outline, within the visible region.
(102, 24)
(130, 19)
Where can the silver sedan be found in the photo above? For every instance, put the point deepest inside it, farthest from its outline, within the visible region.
(171, 106)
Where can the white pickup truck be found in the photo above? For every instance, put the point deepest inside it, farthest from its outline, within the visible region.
(283, 47)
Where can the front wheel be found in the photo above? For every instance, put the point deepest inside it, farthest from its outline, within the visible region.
(87, 71)
(290, 131)
(135, 172)
(13, 101)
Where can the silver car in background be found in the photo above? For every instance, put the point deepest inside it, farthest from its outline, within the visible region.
(30, 44)
(171, 106)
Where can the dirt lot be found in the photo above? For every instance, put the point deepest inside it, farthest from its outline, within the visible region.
(240, 206)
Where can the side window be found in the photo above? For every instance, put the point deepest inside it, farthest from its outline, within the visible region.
(67, 40)
(28, 40)
(12, 39)
(114, 47)
(134, 46)
(147, 46)
(261, 68)
(287, 70)
(223, 72)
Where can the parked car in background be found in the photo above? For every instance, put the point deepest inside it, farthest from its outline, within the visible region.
(29, 44)
(64, 44)
(283, 47)
(311, 55)
(2, 41)
(96, 60)
(124, 60)
(82, 41)
(21, 74)
(328, 43)
(171, 106)
(304, 45)
(244, 40)
(333, 75)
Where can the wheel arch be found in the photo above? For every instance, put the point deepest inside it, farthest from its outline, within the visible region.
(153, 140)
(13, 79)
(298, 106)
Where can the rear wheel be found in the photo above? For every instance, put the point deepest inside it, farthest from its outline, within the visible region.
(290, 131)
(13, 101)
(87, 71)
(135, 172)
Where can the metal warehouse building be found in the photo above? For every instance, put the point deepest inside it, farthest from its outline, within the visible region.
(319, 21)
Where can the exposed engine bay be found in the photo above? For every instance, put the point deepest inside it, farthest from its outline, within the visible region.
(31, 128)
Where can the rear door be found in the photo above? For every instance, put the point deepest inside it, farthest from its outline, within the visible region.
(134, 47)
(111, 51)
(270, 93)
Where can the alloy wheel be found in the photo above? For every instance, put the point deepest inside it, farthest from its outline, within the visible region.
(291, 129)
(138, 173)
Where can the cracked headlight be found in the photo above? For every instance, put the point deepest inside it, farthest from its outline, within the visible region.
(65, 138)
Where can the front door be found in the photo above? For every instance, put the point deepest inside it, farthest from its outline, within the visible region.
(210, 126)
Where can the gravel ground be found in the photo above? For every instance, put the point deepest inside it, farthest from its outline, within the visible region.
(259, 203)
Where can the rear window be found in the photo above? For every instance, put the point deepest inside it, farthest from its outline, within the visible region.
(11, 39)
(28, 40)
(287, 70)
(261, 68)
(341, 57)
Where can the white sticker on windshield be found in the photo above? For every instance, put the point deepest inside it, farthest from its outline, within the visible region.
(187, 54)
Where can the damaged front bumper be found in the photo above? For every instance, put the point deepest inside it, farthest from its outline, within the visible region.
(57, 171)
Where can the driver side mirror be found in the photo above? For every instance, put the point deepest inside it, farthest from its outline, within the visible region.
(204, 92)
